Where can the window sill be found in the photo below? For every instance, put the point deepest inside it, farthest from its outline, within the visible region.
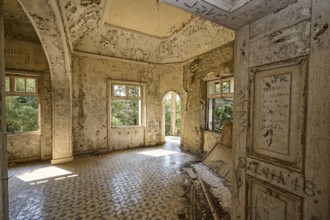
(213, 132)
(23, 133)
(127, 126)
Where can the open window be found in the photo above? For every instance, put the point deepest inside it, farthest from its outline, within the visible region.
(220, 93)
(22, 103)
(126, 102)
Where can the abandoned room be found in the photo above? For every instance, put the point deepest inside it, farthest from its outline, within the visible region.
(165, 109)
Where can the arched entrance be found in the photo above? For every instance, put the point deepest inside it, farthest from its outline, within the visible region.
(171, 120)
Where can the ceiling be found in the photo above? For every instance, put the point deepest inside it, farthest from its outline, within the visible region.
(17, 25)
(13, 7)
(142, 30)
(227, 5)
(149, 17)
(157, 31)
(231, 13)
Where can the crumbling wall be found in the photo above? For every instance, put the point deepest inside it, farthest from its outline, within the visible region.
(181, 46)
(218, 62)
(22, 55)
(109, 41)
(27, 57)
(281, 128)
(187, 43)
(81, 17)
(91, 97)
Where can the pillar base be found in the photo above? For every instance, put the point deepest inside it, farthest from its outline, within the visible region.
(61, 160)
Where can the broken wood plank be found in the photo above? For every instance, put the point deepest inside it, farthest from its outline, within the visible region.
(191, 173)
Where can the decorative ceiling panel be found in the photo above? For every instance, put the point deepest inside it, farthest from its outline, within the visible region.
(146, 16)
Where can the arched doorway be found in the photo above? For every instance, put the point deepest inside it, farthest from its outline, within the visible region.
(171, 120)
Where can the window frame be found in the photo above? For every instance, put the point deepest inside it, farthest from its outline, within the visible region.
(12, 91)
(12, 76)
(127, 84)
(210, 125)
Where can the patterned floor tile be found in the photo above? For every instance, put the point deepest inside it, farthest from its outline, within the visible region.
(120, 185)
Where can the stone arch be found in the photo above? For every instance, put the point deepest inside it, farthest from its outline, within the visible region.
(47, 21)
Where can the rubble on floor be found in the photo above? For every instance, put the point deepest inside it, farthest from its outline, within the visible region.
(217, 191)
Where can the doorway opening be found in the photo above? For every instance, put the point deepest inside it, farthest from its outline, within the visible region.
(171, 117)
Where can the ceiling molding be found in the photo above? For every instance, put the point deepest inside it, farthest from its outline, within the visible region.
(152, 36)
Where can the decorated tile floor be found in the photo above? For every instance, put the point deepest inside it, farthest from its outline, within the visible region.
(135, 184)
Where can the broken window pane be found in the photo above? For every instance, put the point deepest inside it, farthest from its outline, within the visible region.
(19, 84)
(31, 85)
(119, 90)
(134, 91)
(125, 112)
(7, 84)
(22, 113)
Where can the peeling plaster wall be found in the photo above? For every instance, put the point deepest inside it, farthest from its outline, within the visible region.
(210, 140)
(25, 56)
(197, 38)
(81, 18)
(193, 40)
(274, 43)
(90, 103)
(28, 57)
(23, 147)
(109, 41)
(218, 62)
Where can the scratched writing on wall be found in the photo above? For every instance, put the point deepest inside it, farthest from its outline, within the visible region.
(282, 178)
(275, 111)
(200, 8)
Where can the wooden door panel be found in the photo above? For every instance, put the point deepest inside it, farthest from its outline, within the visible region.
(276, 183)
(269, 203)
(277, 113)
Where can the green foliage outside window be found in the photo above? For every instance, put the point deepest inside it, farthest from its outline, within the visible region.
(178, 117)
(22, 113)
(223, 113)
(168, 117)
(125, 112)
(126, 105)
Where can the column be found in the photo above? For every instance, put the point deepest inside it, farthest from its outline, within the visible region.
(173, 113)
(3, 135)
